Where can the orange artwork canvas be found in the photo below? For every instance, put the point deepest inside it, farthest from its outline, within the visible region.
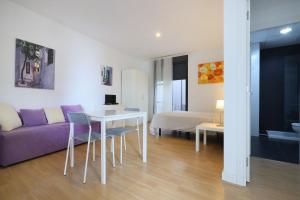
(212, 72)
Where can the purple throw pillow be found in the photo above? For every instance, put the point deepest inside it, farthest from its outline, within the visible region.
(33, 117)
(70, 108)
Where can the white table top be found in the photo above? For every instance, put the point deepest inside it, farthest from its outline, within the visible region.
(114, 114)
(210, 127)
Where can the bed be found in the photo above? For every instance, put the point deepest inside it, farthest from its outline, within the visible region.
(179, 121)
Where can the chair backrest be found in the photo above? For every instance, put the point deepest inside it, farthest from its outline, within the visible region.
(79, 118)
(132, 109)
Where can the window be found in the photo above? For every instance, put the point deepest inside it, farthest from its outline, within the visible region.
(159, 96)
(179, 95)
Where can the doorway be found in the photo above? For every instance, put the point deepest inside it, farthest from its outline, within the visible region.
(237, 71)
(275, 88)
(275, 84)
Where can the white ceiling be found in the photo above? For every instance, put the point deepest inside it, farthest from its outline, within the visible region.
(130, 25)
(270, 38)
(272, 13)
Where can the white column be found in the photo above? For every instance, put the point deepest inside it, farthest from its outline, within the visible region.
(235, 93)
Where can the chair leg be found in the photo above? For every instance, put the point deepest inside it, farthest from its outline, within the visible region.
(72, 153)
(86, 161)
(125, 147)
(121, 147)
(138, 134)
(67, 158)
(71, 144)
(94, 151)
(123, 136)
(112, 150)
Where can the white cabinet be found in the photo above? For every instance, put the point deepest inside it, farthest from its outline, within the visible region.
(135, 89)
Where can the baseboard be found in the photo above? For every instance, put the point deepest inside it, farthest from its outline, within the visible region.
(228, 177)
(231, 178)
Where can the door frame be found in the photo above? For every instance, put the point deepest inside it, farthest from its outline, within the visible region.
(248, 88)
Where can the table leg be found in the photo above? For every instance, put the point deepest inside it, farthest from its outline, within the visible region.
(197, 140)
(204, 137)
(103, 152)
(72, 145)
(145, 138)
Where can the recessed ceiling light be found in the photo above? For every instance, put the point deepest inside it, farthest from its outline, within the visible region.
(157, 34)
(286, 30)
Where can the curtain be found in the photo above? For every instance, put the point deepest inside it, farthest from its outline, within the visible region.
(162, 85)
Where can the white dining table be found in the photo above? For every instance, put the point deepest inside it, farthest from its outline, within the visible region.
(105, 116)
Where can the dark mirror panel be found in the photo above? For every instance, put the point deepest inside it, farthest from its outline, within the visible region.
(279, 88)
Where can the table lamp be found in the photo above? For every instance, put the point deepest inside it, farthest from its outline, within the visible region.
(220, 107)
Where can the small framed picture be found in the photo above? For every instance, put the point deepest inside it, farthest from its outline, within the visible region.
(106, 75)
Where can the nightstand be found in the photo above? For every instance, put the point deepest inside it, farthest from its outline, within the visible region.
(206, 127)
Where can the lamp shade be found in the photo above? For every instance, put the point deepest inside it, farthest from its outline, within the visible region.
(220, 104)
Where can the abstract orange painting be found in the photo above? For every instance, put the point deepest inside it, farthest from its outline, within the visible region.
(212, 72)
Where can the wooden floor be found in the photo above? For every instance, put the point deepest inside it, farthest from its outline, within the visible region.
(173, 171)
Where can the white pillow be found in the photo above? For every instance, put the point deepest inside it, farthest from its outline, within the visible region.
(54, 115)
(9, 118)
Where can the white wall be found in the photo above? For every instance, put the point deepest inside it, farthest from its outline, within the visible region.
(271, 13)
(235, 93)
(203, 97)
(255, 74)
(77, 62)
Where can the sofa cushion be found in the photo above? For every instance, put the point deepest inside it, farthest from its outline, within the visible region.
(54, 115)
(9, 118)
(70, 108)
(33, 117)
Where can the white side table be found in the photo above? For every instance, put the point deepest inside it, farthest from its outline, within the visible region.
(206, 127)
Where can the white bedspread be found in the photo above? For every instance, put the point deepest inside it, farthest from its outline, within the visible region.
(179, 120)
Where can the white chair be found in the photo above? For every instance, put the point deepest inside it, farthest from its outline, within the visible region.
(91, 136)
(137, 129)
(120, 131)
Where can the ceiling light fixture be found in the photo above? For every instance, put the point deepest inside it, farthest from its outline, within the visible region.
(286, 30)
(157, 35)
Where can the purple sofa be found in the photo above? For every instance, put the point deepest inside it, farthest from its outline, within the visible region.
(29, 142)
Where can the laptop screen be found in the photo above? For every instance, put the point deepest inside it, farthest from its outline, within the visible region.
(110, 99)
